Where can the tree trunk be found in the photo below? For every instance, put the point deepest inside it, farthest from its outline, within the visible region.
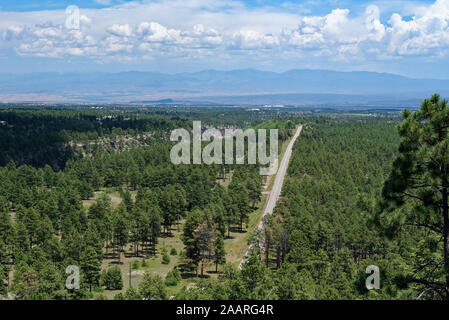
(267, 252)
(278, 257)
(446, 237)
(119, 251)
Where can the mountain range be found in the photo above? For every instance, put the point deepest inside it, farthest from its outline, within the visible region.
(249, 86)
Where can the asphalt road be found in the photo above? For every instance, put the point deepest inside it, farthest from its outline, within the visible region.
(277, 185)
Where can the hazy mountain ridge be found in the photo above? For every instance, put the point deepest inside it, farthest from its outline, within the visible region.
(237, 86)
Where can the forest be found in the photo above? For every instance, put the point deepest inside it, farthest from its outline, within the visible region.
(139, 227)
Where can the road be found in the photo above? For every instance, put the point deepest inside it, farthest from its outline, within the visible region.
(277, 185)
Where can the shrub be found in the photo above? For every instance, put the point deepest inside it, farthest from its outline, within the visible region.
(152, 287)
(135, 265)
(112, 279)
(119, 296)
(98, 289)
(177, 274)
(173, 252)
(132, 294)
(143, 264)
(173, 277)
(165, 259)
(170, 281)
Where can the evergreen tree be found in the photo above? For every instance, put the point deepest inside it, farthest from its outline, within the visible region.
(239, 196)
(90, 266)
(152, 287)
(4, 262)
(204, 237)
(417, 190)
(192, 253)
(112, 279)
(254, 188)
(26, 284)
(219, 250)
(120, 229)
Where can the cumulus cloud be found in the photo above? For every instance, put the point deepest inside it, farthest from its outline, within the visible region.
(250, 39)
(121, 30)
(426, 33)
(48, 40)
(12, 32)
(155, 32)
(337, 34)
(200, 27)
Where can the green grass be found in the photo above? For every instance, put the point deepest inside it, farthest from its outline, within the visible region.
(153, 264)
(235, 247)
(111, 192)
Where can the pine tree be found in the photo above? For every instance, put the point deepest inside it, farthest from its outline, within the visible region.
(417, 189)
(152, 287)
(90, 266)
(112, 279)
(204, 238)
(219, 251)
(192, 254)
(254, 188)
(26, 283)
(239, 196)
(155, 225)
(120, 229)
(4, 262)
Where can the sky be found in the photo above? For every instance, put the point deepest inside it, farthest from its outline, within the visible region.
(172, 36)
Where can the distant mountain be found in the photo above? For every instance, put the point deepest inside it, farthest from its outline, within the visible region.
(237, 86)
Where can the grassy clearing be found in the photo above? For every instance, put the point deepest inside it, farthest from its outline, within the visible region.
(235, 247)
(151, 264)
(111, 192)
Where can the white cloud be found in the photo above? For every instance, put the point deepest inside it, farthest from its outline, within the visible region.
(121, 30)
(426, 33)
(155, 32)
(196, 28)
(12, 32)
(250, 39)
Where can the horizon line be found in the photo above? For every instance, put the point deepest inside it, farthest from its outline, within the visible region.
(221, 71)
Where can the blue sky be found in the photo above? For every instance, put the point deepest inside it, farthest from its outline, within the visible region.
(403, 37)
